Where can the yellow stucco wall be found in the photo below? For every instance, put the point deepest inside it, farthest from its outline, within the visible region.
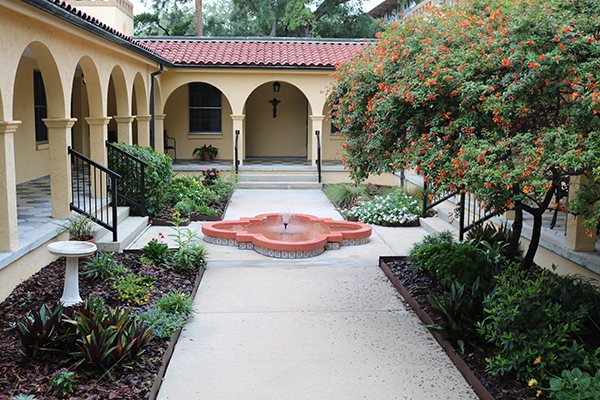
(282, 136)
(114, 13)
(177, 126)
(24, 267)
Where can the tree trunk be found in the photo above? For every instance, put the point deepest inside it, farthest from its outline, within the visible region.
(198, 17)
(273, 28)
(517, 228)
(536, 233)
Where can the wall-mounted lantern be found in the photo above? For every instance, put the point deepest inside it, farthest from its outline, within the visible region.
(276, 86)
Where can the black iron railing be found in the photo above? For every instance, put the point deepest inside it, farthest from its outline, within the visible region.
(471, 211)
(94, 190)
(319, 156)
(235, 150)
(132, 185)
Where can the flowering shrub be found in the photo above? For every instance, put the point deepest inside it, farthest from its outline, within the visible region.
(211, 175)
(162, 324)
(396, 208)
(132, 288)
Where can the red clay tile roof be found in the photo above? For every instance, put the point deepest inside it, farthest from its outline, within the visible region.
(248, 52)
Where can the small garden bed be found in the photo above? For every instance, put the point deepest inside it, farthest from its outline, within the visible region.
(152, 290)
(522, 334)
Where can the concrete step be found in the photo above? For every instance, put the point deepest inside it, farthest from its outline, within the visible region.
(277, 177)
(280, 185)
(128, 230)
(437, 224)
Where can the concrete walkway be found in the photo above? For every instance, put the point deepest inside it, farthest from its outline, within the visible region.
(329, 327)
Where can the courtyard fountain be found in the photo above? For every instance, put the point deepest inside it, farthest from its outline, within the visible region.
(286, 234)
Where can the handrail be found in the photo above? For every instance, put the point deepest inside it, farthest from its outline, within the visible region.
(471, 213)
(89, 182)
(318, 155)
(134, 176)
(237, 161)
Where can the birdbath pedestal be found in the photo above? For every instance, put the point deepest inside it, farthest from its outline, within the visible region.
(72, 250)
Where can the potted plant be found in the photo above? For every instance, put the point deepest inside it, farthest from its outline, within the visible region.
(80, 228)
(207, 152)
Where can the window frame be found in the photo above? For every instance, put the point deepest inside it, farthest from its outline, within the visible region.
(195, 89)
(40, 108)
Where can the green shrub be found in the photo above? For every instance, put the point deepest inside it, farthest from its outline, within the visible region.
(417, 255)
(456, 262)
(102, 266)
(185, 207)
(493, 240)
(533, 334)
(191, 188)
(158, 174)
(577, 291)
(176, 303)
(224, 187)
(155, 250)
(133, 288)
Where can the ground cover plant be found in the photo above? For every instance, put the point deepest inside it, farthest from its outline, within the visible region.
(394, 208)
(111, 346)
(498, 98)
(522, 332)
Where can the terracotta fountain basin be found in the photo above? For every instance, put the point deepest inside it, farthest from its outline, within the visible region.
(301, 236)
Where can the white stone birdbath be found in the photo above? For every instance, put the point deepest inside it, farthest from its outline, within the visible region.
(72, 250)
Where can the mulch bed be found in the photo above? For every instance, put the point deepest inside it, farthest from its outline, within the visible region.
(19, 374)
(419, 285)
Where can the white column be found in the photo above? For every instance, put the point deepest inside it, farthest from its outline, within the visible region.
(124, 131)
(143, 129)
(317, 125)
(59, 138)
(9, 229)
(238, 125)
(159, 135)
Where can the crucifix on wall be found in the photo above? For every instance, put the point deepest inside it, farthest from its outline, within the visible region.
(274, 102)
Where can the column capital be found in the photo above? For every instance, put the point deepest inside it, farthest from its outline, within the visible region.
(238, 117)
(59, 123)
(317, 117)
(160, 117)
(9, 126)
(123, 119)
(97, 120)
(143, 118)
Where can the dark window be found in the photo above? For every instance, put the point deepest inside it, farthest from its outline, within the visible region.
(334, 130)
(40, 107)
(205, 108)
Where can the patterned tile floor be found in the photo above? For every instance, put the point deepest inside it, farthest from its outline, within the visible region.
(33, 203)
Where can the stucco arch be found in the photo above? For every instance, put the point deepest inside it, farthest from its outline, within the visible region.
(93, 86)
(191, 78)
(290, 82)
(139, 96)
(48, 67)
(120, 91)
(277, 122)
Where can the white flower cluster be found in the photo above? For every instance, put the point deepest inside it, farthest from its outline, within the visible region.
(396, 207)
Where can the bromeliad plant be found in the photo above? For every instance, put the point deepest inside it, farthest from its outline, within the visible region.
(39, 329)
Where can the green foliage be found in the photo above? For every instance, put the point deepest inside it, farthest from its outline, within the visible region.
(190, 188)
(102, 266)
(577, 291)
(459, 311)
(162, 324)
(533, 334)
(80, 227)
(575, 384)
(224, 187)
(418, 252)
(158, 175)
(156, 251)
(191, 253)
(176, 303)
(500, 99)
(396, 208)
(108, 338)
(207, 148)
(62, 381)
(133, 288)
(456, 262)
(39, 329)
(167, 18)
(344, 194)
